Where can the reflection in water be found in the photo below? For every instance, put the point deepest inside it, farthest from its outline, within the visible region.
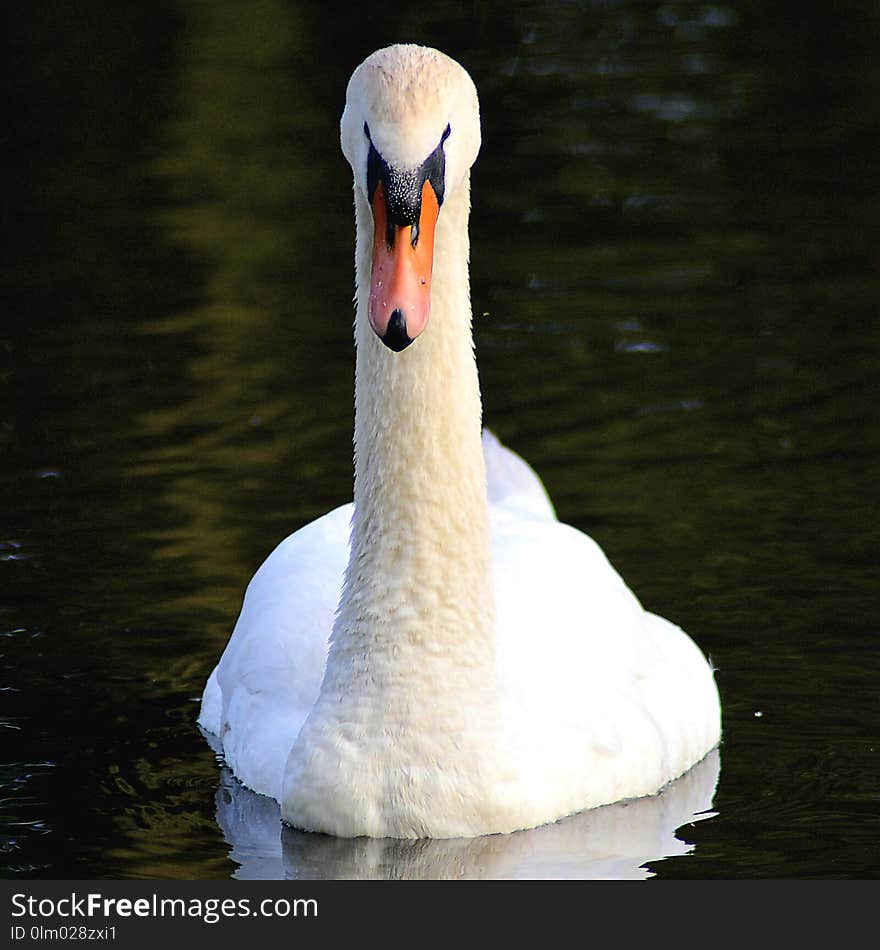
(614, 842)
(248, 192)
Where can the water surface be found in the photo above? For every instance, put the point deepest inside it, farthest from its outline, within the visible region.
(675, 285)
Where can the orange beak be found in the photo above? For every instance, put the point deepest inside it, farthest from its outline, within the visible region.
(400, 285)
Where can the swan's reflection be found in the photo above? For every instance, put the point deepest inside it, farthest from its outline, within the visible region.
(610, 842)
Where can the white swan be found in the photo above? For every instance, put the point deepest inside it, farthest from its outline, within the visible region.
(487, 669)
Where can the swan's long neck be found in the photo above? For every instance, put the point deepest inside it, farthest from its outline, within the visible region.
(415, 622)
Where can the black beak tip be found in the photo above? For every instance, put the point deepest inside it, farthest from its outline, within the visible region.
(396, 338)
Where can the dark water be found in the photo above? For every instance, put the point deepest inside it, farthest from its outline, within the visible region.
(675, 283)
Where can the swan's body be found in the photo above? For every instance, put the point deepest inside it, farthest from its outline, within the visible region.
(487, 669)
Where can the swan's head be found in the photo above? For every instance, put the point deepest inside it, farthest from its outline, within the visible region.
(411, 131)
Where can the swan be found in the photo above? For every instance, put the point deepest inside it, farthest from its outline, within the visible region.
(442, 658)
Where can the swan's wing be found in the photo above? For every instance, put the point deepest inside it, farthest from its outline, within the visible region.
(605, 695)
(512, 482)
(566, 620)
(270, 673)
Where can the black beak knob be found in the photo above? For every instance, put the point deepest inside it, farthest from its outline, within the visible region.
(396, 337)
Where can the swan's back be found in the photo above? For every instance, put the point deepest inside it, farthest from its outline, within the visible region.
(597, 692)
(512, 483)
